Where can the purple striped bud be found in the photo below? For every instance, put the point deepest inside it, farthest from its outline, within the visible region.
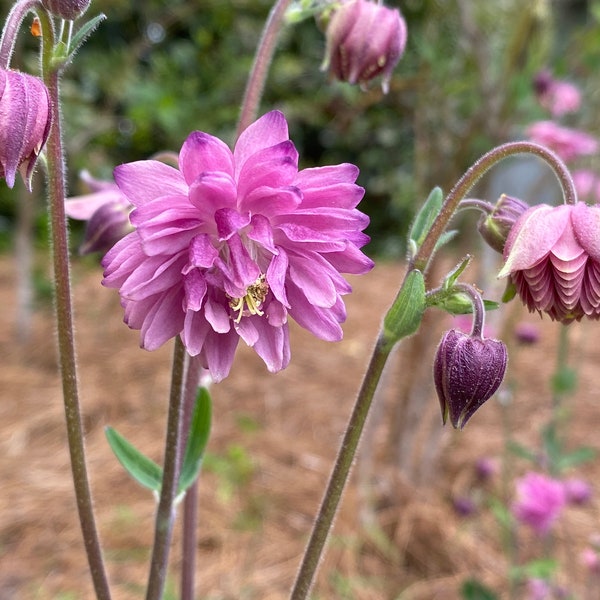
(364, 40)
(467, 371)
(495, 227)
(25, 114)
(66, 9)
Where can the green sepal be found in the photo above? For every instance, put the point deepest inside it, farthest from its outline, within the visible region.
(405, 315)
(458, 303)
(510, 292)
(197, 440)
(426, 216)
(144, 470)
(453, 276)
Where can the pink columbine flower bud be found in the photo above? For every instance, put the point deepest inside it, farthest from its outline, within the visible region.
(555, 95)
(539, 502)
(467, 371)
(568, 143)
(106, 211)
(553, 257)
(364, 40)
(25, 115)
(66, 9)
(495, 227)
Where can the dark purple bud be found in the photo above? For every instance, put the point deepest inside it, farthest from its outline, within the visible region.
(467, 371)
(495, 227)
(485, 468)
(66, 9)
(364, 40)
(25, 114)
(527, 333)
(464, 506)
(106, 227)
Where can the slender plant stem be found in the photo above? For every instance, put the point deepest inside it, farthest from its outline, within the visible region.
(190, 507)
(165, 514)
(467, 181)
(262, 62)
(64, 317)
(478, 308)
(341, 470)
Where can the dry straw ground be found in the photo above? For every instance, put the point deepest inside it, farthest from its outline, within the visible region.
(274, 436)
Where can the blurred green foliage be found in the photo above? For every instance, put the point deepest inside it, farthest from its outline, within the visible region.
(154, 71)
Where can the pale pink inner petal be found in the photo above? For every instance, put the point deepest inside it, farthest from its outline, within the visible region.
(146, 180)
(211, 191)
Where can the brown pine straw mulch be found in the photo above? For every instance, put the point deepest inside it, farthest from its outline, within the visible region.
(397, 536)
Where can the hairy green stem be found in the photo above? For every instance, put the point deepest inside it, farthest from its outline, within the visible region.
(262, 62)
(165, 513)
(467, 181)
(340, 472)
(64, 317)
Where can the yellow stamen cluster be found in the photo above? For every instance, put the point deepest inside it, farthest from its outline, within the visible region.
(252, 300)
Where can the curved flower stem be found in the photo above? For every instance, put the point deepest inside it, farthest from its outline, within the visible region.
(11, 28)
(262, 62)
(467, 181)
(190, 507)
(478, 308)
(165, 514)
(341, 470)
(64, 317)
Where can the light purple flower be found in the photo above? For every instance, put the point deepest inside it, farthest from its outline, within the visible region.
(539, 502)
(364, 40)
(578, 491)
(566, 142)
(557, 96)
(538, 589)
(229, 244)
(25, 117)
(553, 257)
(106, 211)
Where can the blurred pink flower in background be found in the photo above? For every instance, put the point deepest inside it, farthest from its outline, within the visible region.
(578, 490)
(539, 502)
(566, 142)
(106, 211)
(557, 96)
(587, 185)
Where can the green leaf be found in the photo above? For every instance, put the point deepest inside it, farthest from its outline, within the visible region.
(84, 32)
(446, 237)
(140, 467)
(472, 589)
(521, 451)
(543, 568)
(575, 458)
(426, 216)
(197, 440)
(564, 380)
(405, 315)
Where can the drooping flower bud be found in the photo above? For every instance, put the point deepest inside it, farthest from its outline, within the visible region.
(364, 40)
(66, 9)
(553, 258)
(467, 371)
(495, 227)
(25, 114)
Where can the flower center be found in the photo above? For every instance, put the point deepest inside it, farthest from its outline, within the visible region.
(250, 303)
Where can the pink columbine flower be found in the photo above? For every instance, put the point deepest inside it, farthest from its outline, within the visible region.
(364, 40)
(25, 116)
(229, 244)
(552, 255)
(566, 142)
(557, 96)
(578, 491)
(106, 211)
(539, 502)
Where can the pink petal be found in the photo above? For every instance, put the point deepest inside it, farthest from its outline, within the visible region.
(203, 153)
(146, 180)
(586, 223)
(210, 192)
(271, 129)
